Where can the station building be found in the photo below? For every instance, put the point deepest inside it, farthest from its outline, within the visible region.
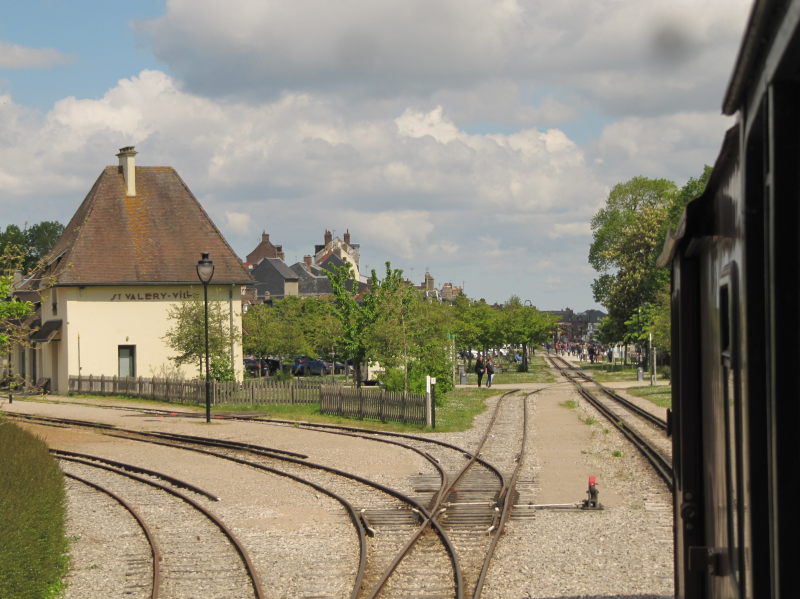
(126, 257)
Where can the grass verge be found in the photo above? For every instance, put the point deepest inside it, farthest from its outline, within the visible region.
(660, 395)
(455, 410)
(33, 551)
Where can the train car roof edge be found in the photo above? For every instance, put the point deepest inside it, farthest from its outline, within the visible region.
(765, 19)
(697, 219)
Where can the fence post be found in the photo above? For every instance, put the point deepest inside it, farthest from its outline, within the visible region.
(427, 400)
(403, 405)
(102, 384)
(433, 403)
(360, 403)
(340, 406)
(291, 391)
(382, 401)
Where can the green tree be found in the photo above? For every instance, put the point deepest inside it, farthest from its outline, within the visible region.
(397, 304)
(291, 327)
(525, 326)
(275, 330)
(355, 315)
(489, 327)
(660, 322)
(187, 336)
(627, 237)
(465, 326)
(30, 244)
(431, 345)
(12, 313)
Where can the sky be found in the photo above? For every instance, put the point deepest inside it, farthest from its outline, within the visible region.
(474, 139)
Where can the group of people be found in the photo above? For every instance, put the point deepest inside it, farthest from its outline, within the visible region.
(485, 365)
(585, 352)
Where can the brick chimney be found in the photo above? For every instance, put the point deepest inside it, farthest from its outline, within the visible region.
(347, 237)
(328, 237)
(264, 237)
(127, 163)
(307, 260)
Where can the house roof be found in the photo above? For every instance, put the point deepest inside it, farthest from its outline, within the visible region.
(156, 236)
(310, 282)
(48, 332)
(278, 265)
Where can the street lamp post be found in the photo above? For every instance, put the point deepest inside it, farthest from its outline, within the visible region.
(205, 270)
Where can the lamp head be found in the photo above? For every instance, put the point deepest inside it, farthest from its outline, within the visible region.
(205, 268)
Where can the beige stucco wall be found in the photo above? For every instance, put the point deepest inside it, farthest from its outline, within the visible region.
(97, 320)
(291, 288)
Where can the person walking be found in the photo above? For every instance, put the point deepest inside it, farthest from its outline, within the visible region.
(489, 370)
(479, 368)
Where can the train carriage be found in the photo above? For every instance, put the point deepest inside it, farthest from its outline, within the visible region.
(735, 262)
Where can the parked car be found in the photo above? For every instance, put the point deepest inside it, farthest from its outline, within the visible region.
(338, 367)
(261, 366)
(305, 366)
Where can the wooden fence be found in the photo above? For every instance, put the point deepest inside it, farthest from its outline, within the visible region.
(363, 403)
(372, 403)
(250, 392)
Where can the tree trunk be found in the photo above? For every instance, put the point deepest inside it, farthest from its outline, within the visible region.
(357, 373)
(524, 357)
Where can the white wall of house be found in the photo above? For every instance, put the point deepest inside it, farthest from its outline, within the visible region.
(98, 320)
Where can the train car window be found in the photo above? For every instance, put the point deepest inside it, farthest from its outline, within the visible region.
(733, 423)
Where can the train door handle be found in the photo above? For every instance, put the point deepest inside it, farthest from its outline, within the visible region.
(712, 560)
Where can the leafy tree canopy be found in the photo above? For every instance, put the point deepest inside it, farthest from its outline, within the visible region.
(28, 245)
(187, 336)
(627, 237)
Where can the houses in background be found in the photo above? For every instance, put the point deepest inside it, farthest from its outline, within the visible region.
(273, 279)
(576, 327)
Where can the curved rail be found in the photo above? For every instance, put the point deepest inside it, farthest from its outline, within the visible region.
(115, 466)
(245, 557)
(155, 552)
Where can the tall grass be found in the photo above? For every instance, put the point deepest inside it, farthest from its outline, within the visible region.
(33, 547)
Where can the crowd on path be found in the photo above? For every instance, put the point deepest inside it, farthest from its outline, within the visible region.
(585, 352)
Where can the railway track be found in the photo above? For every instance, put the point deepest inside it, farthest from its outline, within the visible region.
(447, 530)
(645, 431)
(472, 508)
(359, 491)
(132, 567)
(190, 547)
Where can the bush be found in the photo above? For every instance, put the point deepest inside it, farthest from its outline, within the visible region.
(221, 369)
(392, 379)
(33, 551)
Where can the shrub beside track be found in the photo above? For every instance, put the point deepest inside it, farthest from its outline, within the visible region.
(33, 547)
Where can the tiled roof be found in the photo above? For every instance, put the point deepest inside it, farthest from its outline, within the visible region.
(156, 236)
